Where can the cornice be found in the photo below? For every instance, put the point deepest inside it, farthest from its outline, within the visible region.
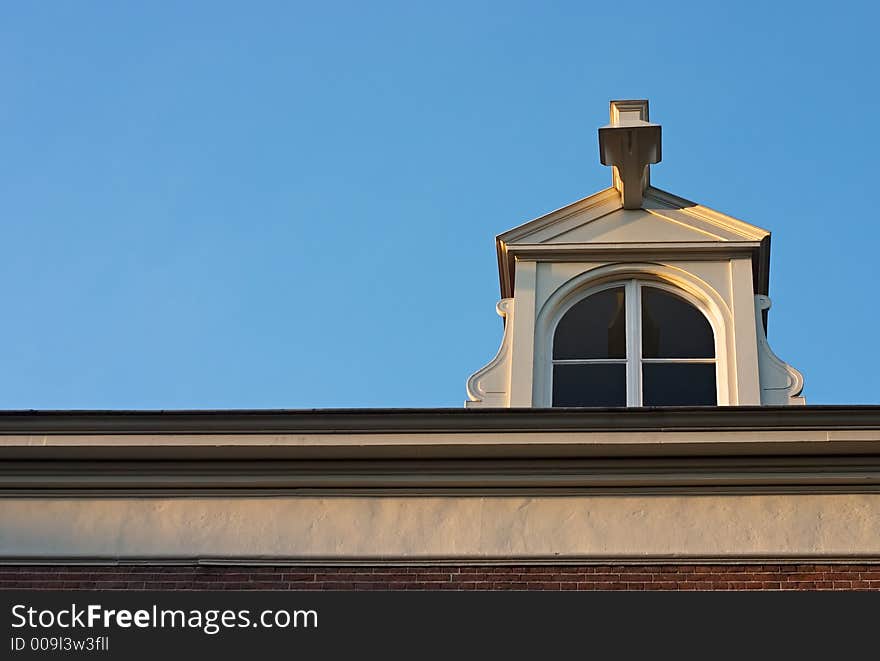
(439, 420)
(632, 251)
(604, 476)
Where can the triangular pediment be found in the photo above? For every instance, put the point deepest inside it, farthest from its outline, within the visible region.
(623, 226)
(663, 218)
(665, 222)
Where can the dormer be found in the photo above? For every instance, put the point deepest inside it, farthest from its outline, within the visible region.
(634, 297)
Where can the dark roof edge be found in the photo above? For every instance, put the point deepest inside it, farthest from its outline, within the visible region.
(439, 420)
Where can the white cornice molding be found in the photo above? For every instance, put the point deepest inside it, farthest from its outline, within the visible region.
(627, 252)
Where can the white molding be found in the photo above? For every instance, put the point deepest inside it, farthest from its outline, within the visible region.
(625, 250)
(633, 304)
(521, 365)
(745, 357)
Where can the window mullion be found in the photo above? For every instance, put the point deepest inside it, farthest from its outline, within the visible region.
(633, 344)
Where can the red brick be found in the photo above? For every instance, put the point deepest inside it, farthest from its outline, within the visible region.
(539, 577)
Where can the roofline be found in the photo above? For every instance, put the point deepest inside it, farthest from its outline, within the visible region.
(440, 420)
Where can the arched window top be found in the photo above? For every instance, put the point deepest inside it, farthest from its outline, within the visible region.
(672, 327)
(635, 343)
(594, 327)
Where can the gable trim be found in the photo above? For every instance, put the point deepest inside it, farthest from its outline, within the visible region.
(716, 218)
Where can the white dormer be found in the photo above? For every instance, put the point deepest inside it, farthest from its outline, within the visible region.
(634, 297)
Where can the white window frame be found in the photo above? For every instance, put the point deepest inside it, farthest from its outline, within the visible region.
(634, 361)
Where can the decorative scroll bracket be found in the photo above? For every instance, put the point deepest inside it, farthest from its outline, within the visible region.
(781, 384)
(490, 386)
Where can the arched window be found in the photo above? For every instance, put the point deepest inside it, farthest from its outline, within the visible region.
(634, 344)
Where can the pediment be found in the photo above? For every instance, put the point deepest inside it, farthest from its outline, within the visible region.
(665, 222)
(630, 226)
(663, 218)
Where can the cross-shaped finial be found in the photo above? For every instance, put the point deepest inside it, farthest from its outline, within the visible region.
(630, 144)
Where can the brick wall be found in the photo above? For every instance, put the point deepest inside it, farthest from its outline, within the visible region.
(559, 577)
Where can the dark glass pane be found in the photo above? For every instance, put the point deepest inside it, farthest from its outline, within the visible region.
(673, 328)
(593, 328)
(678, 384)
(589, 385)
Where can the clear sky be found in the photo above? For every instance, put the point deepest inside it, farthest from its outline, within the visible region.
(294, 205)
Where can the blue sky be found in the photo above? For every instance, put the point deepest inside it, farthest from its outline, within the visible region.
(261, 205)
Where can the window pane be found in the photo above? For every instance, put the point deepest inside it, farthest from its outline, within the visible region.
(673, 328)
(589, 385)
(678, 384)
(593, 328)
